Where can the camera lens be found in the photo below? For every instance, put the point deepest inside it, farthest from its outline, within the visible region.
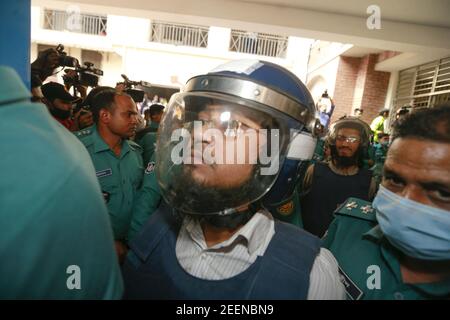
(67, 61)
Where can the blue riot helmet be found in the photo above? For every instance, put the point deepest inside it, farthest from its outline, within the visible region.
(232, 136)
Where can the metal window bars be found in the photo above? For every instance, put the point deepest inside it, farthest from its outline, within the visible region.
(75, 22)
(179, 34)
(423, 86)
(263, 44)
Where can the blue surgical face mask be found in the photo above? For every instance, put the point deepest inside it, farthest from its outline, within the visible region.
(418, 230)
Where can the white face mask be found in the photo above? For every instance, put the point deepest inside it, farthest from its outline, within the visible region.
(418, 230)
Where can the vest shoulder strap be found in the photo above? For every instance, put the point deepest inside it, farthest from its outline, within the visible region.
(160, 223)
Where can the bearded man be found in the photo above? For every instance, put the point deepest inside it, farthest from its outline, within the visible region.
(328, 184)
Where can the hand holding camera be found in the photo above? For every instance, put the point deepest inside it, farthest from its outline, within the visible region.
(47, 61)
(128, 86)
(86, 76)
(83, 118)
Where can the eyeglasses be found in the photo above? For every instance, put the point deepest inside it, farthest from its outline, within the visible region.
(342, 138)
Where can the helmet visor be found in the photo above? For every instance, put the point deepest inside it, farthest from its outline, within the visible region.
(217, 153)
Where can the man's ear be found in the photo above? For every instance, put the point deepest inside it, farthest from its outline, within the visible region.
(104, 115)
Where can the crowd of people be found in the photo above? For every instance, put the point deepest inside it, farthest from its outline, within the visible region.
(241, 187)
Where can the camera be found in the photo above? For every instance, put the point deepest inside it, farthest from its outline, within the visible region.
(136, 94)
(64, 60)
(85, 75)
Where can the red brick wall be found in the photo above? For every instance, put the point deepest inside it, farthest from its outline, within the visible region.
(375, 90)
(358, 85)
(345, 86)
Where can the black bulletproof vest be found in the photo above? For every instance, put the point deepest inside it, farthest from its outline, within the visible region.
(328, 191)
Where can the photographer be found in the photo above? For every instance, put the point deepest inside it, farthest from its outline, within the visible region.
(71, 80)
(44, 66)
(60, 104)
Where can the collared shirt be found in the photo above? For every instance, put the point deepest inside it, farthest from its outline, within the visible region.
(370, 265)
(391, 256)
(53, 221)
(148, 144)
(235, 255)
(120, 177)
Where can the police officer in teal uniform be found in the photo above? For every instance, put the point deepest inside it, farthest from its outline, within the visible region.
(117, 160)
(148, 144)
(398, 247)
(55, 236)
(147, 201)
(146, 137)
(380, 150)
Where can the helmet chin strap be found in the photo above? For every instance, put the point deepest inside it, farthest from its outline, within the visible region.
(230, 220)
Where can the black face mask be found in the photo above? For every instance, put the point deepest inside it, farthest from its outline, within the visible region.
(60, 114)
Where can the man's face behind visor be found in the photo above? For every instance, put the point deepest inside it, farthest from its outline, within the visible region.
(220, 148)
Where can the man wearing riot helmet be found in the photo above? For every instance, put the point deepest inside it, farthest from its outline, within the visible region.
(398, 246)
(212, 238)
(327, 185)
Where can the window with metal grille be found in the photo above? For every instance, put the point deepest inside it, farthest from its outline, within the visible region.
(423, 86)
(179, 34)
(263, 44)
(75, 22)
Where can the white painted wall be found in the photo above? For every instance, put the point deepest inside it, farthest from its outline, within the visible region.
(328, 73)
(126, 49)
(297, 56)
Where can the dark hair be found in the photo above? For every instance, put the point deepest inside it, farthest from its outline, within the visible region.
(103, 100)
(94, 92)
(428, 124)
(155, 109)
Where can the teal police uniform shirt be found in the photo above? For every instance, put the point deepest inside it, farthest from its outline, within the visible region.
(55, 235)
(147, 201)
(120, 177)
(369, 264)
(148, 144)
(380, 152)
(153, 125)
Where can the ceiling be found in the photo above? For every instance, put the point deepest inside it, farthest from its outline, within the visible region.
(430, 13)
(419, 26)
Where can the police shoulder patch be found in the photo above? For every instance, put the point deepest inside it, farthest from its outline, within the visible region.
(150, 167)
(286, 208)
(357, 208)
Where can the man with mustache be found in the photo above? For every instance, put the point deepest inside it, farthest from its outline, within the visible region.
(398, 246)
(117, 160)
(213, 236)
(328, 185)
